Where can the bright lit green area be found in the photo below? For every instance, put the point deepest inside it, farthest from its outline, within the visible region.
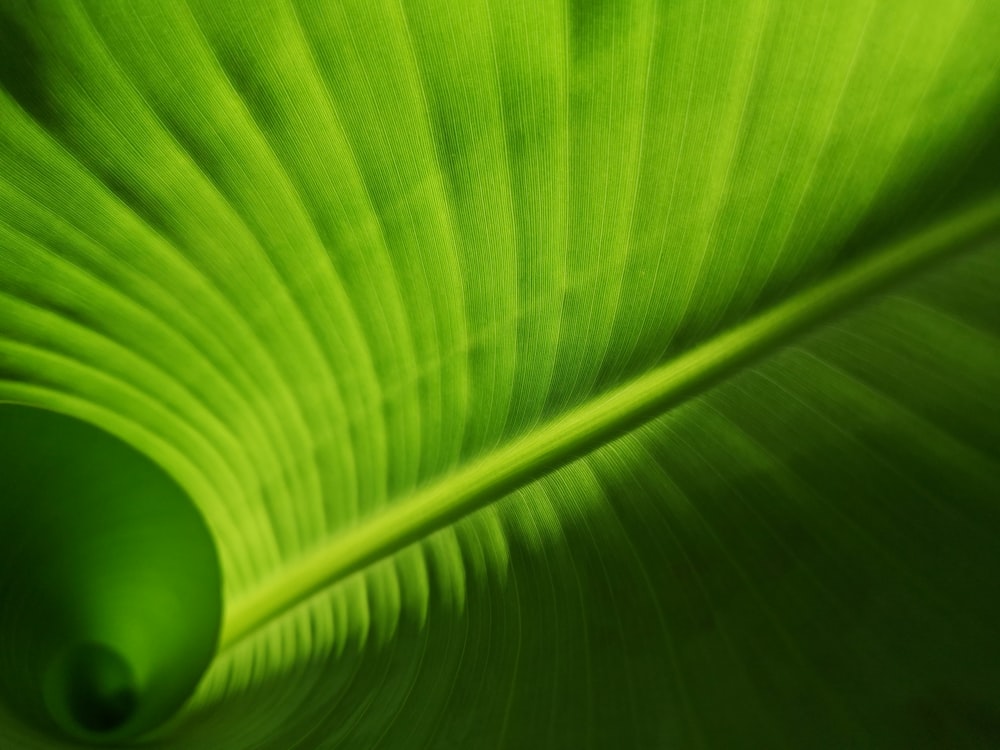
(500, 374)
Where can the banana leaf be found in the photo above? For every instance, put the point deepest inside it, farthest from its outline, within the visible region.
(500, 374)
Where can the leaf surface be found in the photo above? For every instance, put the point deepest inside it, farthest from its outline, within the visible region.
(614, 374)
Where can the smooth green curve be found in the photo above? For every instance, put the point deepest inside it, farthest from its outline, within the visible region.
(110, 590)
(597, 422)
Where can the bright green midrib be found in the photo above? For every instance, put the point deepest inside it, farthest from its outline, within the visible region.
(597, 422)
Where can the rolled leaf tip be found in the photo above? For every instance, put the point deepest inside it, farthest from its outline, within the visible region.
(110, 586)
(92, 689)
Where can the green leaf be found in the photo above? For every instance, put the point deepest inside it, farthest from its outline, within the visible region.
(101, 550)
(590, 375)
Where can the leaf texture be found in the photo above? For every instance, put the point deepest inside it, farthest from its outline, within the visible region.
(324, 262)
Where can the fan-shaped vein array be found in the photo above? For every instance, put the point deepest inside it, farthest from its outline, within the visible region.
(319, 259)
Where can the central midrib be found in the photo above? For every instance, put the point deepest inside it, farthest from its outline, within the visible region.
(598, 421)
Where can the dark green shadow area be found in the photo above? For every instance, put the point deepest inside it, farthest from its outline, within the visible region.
(110, 589)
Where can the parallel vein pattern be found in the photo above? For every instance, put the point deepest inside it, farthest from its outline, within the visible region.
(350, 271)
